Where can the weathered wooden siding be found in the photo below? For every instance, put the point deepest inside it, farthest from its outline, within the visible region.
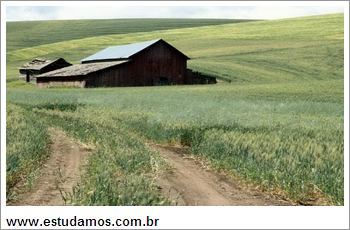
(74, 81)
(159, 61)
(78, 84)
(114, 76)
(147, 68)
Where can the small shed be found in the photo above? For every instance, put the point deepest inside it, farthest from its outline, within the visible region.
(39, 66)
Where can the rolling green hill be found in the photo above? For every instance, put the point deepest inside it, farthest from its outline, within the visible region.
(301, 49)
(32, 33)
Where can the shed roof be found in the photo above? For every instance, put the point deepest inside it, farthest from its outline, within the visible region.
(38, 64)
(122, 51)
(81, 69)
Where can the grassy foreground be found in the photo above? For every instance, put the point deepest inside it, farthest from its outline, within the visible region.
(27, 148)
(231, 126)
(121, 170)
(279, 124)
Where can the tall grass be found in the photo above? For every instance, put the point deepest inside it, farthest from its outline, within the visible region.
(27, 148)
(306, 165)
(290, 142)
(121, 170)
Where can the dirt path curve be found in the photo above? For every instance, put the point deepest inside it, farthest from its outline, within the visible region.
(60, 172)
(190, 184)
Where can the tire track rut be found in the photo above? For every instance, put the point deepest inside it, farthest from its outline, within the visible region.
(190, 184)
(59, 173)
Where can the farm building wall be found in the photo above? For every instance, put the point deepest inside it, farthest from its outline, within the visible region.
(114, 76)
(160, 64)
(75, 81)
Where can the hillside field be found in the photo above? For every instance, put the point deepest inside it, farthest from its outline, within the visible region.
(46, 32)
(275, 121)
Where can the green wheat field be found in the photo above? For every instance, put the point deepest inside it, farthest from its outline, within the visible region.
(275, 119)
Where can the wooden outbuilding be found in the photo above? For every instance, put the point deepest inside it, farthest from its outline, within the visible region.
(40, 66)
(147, 63)
(86, 75)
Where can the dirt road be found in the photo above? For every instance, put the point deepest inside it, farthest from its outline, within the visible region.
(59, 174)
(187, 183)
(190, 184)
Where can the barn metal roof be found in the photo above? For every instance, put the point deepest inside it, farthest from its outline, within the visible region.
(81, 69)
(119, 52)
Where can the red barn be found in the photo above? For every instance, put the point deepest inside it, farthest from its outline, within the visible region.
(147, 63)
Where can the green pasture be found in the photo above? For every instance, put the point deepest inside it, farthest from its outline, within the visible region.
(26, 34)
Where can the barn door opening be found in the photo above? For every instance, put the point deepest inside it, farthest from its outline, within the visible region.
(163, 81)
(27, 77)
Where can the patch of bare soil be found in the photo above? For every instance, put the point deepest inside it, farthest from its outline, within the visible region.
(60, 172)
(189, 183)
